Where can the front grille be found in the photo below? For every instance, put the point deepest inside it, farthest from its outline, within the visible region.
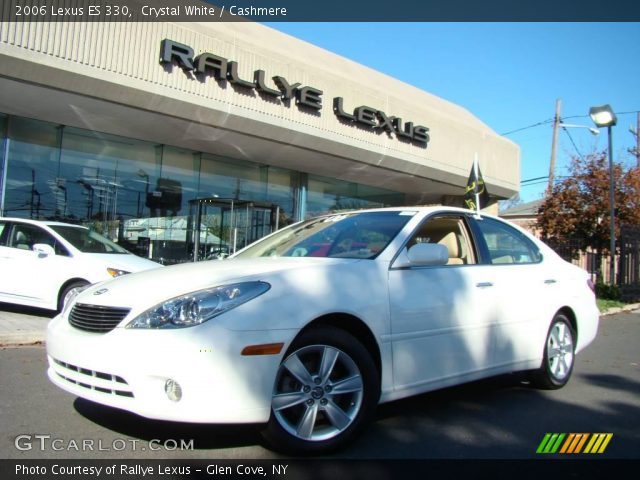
(92, 379)
(96, 318)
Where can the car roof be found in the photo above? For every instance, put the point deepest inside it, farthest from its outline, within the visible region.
(429, 209)
(410, 208)
(40, 222)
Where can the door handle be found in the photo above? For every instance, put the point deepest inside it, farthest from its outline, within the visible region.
(484, 284)
(550, 281)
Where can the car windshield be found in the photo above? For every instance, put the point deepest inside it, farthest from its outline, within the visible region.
(352, 235)
(86, 240)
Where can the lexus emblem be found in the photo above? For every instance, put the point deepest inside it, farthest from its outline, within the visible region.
(101, 291)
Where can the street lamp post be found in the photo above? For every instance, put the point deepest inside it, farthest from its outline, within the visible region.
(603, 116)
(557, 124)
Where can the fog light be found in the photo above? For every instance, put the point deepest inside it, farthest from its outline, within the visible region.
(173, 390)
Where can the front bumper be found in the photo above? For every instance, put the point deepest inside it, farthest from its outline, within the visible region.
(128, 369)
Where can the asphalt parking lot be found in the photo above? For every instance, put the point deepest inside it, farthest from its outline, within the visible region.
(499, 418)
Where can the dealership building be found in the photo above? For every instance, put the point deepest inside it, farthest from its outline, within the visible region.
(189, 140)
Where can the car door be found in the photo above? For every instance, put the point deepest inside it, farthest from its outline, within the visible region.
(526, 289)
(441, 316)
(5, 275)
(31, 277)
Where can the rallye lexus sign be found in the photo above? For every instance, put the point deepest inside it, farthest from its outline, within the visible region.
(305, 97)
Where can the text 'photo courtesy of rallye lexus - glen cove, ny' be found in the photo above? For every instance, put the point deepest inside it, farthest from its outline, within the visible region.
(308, 329)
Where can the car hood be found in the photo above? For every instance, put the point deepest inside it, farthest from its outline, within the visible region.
(121, 261)
(148, 288)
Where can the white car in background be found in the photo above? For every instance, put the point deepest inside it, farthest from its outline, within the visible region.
(308, 329)
(41, 262)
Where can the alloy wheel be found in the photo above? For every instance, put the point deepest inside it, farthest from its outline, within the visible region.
(318, 393)
(560, 350)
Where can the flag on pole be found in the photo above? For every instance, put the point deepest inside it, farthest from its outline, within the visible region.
(475, 193)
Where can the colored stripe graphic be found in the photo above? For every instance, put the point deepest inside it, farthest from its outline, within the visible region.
(574, 443)
(550, 443)
(598, 442)
(578, 442)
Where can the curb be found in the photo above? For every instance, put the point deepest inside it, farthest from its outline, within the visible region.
(21, 339)
(626, 308)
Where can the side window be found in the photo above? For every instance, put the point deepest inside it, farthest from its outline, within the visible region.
(60, 249)
(449, 231)
(506, 244)
(21, 237)
(25, 236)
(3, 234)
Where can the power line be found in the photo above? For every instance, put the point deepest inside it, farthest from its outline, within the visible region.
(550, 120)
(534, 183)
(617, 113)
(534, 179)
(540, 182)
(573, 143)
(525, 128)
(581, 116)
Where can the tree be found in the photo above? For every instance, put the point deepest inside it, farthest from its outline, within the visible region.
(578, 206)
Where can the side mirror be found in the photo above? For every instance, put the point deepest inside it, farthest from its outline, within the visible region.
(43, 250)
(423, 255)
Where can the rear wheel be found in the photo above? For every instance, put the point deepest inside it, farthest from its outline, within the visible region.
(559, 354)
(326, 389)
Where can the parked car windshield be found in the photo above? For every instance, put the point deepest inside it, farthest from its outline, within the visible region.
(86, 240)
(353, 235)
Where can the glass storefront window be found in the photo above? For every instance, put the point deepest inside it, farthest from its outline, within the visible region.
(229, 179)
(240, 180)
(170, 190)
(331, 195)
(178, 182)
(142, 194)
(101, 179)
(3, 168)
(32, 169)
(280, 189)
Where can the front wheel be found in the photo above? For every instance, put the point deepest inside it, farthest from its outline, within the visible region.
(66, 291)
(559, 355)
(326, 389)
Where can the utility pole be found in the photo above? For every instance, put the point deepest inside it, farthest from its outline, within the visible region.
(554, 146)
(638, 140)
(635, 131)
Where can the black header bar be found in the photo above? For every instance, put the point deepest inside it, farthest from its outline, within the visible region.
(321, 11)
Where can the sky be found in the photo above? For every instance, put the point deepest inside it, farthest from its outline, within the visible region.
(509, 75)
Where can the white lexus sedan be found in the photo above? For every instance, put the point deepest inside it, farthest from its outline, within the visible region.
(308, 329)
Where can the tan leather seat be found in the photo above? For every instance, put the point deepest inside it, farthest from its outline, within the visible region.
(450, 240)
(21, 241)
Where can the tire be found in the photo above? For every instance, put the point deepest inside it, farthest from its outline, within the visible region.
(559, 355)
(67, 289)
(326, 390)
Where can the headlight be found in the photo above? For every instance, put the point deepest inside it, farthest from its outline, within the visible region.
(198, 307)
(116, 272)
